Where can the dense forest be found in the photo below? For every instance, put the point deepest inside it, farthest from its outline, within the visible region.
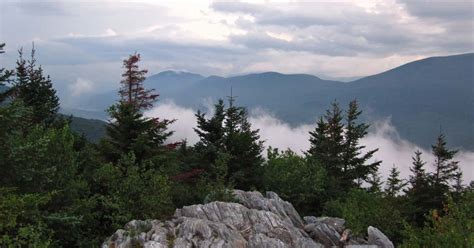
(58, 189)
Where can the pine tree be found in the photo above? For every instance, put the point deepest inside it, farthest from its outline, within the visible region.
(418, 192)
(129, 131)
(394, 183)
(336, 147)
(445, 167)
(132, 90)
(244, 147)
(35, 89)
(327, 142)
(211, 136)
(229, 132)
(4, 78)
(375, 182)
(318, 141)
(356, 168)
(445, 172)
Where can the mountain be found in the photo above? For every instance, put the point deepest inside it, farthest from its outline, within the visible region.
(420, 97)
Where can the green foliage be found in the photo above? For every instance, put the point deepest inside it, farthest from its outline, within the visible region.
(296, 179)
(21, 220)
(35, 90)
(229, 132)
(451, 227)
(361, 209)
(394, 183)
(131, 132)
(336, 147)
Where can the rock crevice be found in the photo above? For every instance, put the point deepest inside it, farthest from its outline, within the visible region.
(253, 220)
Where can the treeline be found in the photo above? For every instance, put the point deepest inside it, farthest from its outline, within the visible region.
(59, 190)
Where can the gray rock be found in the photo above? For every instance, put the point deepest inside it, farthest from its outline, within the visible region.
(255, 221)
(376, 237)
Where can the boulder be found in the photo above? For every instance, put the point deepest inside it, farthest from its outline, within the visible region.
(254, 220)
(376, 237)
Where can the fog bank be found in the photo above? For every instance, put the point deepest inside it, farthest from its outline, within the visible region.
(393, 150)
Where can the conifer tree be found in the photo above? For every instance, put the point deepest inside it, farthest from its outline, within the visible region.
(244, 147)
(129, 130)
(336, 147)
(394, 183)
(4, 78)
(356, 165)
(418, 192)
(35, 89)
(318, 141)
(375, 182)
(445, 171)
(229, 132)
(327, 141)
(445, 167)
(211, 135)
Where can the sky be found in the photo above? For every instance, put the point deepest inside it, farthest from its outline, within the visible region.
(81, 43)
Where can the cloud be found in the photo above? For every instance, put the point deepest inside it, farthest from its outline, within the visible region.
(392, 149)
(81, 86)
(323, 38)
(446, 10)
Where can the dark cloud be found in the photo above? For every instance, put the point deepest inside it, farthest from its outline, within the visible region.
(443, 9)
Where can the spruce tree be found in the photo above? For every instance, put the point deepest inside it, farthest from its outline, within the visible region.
(394, 183)
(356, 165)
(35, 89)
(4, 78)
(445, 171)
(418, 192)
(211, 135)
(229, 132)
(318, 141)
(375, 182)
(337, 148)
(244, 147)
(445, 167)
(327, 142)
(129, 131)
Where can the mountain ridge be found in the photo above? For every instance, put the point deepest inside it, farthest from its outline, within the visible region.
(419, 96)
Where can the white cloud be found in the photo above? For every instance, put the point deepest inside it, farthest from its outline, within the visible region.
(392, 149)
(81, 86)
(323, 38)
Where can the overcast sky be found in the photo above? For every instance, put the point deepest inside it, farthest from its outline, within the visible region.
(81, 43)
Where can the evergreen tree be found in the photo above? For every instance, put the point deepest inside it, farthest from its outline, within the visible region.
(418, 193)
(229, 132)
(211, 136)
(375, 182)
(4, 77)
(132, 90)
(394, 183)
(129, 130)
(244, 147)
(35, 89)
(327, 142)
(445, 171)
(318, 141)
(445, 167)
(356, 165)
(336, 147)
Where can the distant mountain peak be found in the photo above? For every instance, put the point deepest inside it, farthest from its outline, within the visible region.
(176, 73)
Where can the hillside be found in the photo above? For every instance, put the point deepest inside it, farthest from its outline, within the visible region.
(420, 97)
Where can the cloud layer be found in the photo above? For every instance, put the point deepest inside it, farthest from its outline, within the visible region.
(88, 40)
(392, 149)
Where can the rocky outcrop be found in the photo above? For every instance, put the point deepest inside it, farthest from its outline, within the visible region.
(253, 220)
